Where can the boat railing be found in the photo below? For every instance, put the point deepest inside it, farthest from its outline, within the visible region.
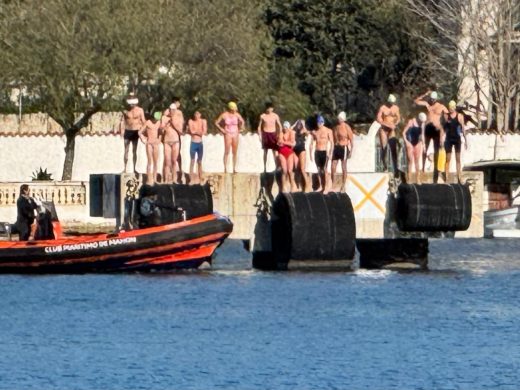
(61, 193)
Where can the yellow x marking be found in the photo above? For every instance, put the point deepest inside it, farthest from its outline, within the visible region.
(368, 194)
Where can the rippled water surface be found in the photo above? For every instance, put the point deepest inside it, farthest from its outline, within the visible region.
(454, 327)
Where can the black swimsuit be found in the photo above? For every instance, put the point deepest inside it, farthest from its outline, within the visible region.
(453, 130)
(299, 147)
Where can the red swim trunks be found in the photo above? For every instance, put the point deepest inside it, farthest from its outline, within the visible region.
(269, 141)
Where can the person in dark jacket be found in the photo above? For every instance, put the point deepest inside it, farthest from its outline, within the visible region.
(26, 214)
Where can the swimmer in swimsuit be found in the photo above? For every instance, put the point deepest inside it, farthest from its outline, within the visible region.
(172, 124)
(286, 142)
(150, 136)
(230, 123)
(131, 121)
(300, 161)
(343, 146)
(323, 141)
(197, 128)
(413, 135)
(455, 129)
(389, 117)
(269, 127)
(433, 130)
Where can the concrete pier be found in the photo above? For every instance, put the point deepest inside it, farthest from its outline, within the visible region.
(241, 195)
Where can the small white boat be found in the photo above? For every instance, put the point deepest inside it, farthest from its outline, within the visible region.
(502, 195)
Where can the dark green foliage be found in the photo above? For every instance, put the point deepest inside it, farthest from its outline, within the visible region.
(41, 175)
(347, 54)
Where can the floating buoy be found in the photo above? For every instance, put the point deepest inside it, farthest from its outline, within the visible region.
(433, 207)
(313, 227)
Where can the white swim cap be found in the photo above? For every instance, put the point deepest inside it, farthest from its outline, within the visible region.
(286, 125)
(434, 95)
(391, 98)
(342, 116)
(452, 105)
(173, 106)
(132, 101)
(422, 117)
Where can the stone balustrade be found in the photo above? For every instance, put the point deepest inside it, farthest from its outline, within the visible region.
(61, 193)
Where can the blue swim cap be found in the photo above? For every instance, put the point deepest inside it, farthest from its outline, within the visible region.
(320, 120)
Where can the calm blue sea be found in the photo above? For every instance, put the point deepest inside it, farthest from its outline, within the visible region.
(454, 327)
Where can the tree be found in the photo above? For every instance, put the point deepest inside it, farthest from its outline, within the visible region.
(74, 57)
(483, 38)
(344, 53)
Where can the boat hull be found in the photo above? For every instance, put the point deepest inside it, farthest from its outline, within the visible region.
(181, 245)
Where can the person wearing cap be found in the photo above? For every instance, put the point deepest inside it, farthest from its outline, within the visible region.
(343, 146)
(269, 127)
(230, 123)
(197, 128)
(389, 116)
(413, 135)
(300, 161)
(131, 121)
(150, 136)
(454, 128)
(433, 130)
(322, 143)
(286, 142)
(172, 123)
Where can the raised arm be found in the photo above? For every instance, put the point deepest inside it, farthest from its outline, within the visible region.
(420, 99)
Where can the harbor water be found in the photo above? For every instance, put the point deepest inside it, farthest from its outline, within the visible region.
(455, 326)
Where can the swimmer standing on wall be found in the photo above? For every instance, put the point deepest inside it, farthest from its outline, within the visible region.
(389, 116)
(197, 128)
(323, 142)
(131, 122)
(150, 136)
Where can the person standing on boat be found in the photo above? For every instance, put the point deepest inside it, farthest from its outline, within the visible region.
(433, 130)
(343, 146)
(197, 128)
(269, 127)
(150, 136)
(413, 135)
(454, 129)
(26, 213)
(230, 123)
(389, 116)
(131, 121)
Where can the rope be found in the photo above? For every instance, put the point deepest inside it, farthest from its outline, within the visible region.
(262, 204)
